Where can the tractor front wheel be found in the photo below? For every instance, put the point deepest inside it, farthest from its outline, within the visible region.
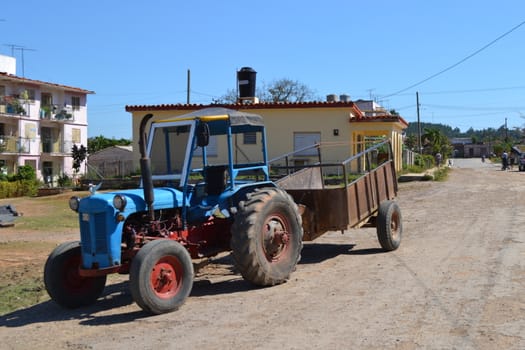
(161, 276)
(63, 281)
(267, 237)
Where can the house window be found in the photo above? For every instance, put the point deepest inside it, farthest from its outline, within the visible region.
(306, 139)
(75, 103)
(46, 100)
(250, 138)
(2, 90)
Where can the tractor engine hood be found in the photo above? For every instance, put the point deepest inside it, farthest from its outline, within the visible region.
(165, 197)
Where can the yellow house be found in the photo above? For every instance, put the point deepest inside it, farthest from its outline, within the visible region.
(293, 126)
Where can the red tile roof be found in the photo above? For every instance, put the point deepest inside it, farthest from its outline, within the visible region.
(260, 105)
(359, 115)
(10, 77)
(380, 118)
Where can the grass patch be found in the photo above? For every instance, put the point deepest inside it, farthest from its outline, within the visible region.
(441, 174)
(45, 214)
(25, 292)
(21, 280)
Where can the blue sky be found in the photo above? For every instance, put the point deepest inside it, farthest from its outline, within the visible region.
(137, 52)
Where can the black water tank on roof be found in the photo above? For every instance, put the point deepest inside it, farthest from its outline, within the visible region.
(246, 79)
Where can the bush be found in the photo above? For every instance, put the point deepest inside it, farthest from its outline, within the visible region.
(64, 181)
(441, 174)
(23, 183)
(10, 189)
(26, 172)
(425, 161)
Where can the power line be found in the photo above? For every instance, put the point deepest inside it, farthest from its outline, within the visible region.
(459, 62)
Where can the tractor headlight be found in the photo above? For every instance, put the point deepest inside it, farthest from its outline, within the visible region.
(74, 203)
(119, 202)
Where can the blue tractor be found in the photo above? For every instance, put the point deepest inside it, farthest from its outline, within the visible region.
(187, 208)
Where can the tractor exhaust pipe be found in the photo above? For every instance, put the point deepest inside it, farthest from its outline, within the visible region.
(145, 167)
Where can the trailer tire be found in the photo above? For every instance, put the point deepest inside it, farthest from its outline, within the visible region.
(389, 225)
(63, 282)
(161, 276)
(267, 237)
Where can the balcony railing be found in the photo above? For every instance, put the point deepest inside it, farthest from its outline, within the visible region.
(14, 144)
(21, 145)
(56, 114)
(54, 146)
(11, 105)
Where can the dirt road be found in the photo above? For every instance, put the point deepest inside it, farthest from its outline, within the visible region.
(456, 282)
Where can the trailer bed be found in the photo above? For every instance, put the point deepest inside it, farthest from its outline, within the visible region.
(329, 204)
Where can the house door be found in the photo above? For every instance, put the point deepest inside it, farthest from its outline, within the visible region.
(47, 172)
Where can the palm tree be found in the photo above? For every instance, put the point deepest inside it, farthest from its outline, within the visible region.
(434, 141)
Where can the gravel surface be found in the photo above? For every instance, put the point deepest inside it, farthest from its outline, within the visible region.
(456, 282)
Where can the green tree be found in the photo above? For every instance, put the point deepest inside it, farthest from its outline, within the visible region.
(434, 141)
(97, 143)
(79, 155)
(411, 142)
(281, 90)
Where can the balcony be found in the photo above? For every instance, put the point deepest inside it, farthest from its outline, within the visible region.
(53, 146)
(11, 105)
(56, 114)
(14, 145)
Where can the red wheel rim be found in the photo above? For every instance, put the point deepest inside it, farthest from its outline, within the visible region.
(166, 277)
(72, 281)
(275, 237)
(394, 226)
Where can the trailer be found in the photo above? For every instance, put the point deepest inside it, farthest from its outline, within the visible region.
(356, 192)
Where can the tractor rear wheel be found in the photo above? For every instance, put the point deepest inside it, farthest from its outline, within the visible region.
(267, 236)
(63, 281)
(161, 276)
(389, 225)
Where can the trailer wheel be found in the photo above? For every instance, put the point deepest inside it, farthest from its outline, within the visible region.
(161, 276)
(267, 237)
(389, 225)
(63, 282)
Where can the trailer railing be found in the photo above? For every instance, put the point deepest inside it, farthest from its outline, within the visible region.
(332, 173)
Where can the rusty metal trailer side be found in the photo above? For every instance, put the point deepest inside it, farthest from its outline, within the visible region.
(328, 207)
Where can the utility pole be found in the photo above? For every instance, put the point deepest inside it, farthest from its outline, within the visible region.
(506, 132)
(188, 88)
(418, 125)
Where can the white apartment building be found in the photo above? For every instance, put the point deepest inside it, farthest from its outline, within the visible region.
(39, 124)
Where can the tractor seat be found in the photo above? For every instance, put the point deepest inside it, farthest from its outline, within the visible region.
(216, 178)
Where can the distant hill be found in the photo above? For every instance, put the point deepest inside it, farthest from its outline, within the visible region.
(489, 134)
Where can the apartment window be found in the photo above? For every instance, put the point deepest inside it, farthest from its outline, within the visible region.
(250, 138)
(75, 103)
(46, 99)
(75, 135)
(28, 94)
